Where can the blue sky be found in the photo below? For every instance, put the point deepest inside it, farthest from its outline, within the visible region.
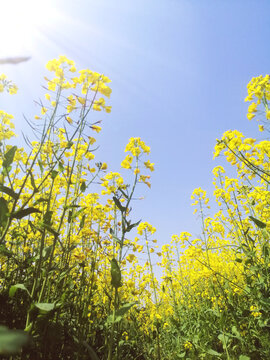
(179, 71)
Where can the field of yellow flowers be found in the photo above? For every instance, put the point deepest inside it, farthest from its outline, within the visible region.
(71, 282)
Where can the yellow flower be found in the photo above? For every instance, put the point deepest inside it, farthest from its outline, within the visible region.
(81, 100)
(104, 90)
(73, 69)
(51, 85)
(130, 258)
(126, 163)
(250, 116)
(136, 146)
(188, 345)
(145, 226)
(254, 311)
(13, 90)
(52, 65)
(91, 140)
(69, 120)
(96, 107)
(43, 110)
(252, 108)
(96, 128)
(149, 165)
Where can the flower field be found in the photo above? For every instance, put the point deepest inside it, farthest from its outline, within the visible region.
(72, 282)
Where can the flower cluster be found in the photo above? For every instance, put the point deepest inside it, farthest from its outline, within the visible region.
(7, 85)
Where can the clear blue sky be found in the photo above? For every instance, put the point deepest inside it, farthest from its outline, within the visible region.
(179, 71)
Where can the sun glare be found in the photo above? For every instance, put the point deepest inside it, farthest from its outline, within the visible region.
(21, 25)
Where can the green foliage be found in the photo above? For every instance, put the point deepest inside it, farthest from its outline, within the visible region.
(13, 289)
(11, 341)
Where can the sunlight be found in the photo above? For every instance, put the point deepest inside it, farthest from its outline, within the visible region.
(21, 25)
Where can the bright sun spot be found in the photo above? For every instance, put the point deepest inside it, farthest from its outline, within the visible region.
(22, 23)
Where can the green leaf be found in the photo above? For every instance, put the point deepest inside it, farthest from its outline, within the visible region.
(72, 206)
(82, 221)
(69, 216)
(265, 234)
(251, 240)
(77, 213)
(213, 352)
(182, 355)
(4, 212)
(41, 200)
(223, 338)
(115, 237)
(45, 307)
(124, 194)
(119, 314)
(93, 355)
(265, 250)
(265, 301)
(9, 192)
(54, 173)
(259, 223)
(118, 204)
(83, 186)
(29, 327)
(236, 332)
(40, 166)
(14, 288)
(51, 230)
(61, 167)
(46, 252)
(9, 157)
(6, 171)
(47, 219)
(214, 312)
(25, 212)
(5, 252)
(11, 341)
(33, 181)
(244, 357)
(115, 274)
(69, 144)
(131, 226)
